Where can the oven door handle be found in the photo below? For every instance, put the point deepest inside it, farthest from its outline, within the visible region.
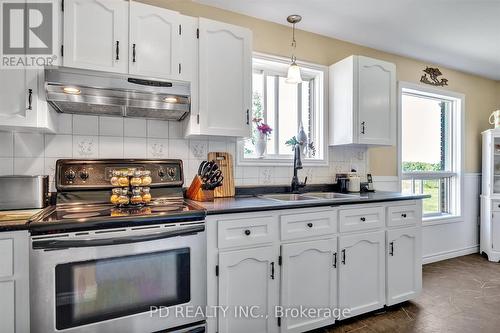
(53, 244)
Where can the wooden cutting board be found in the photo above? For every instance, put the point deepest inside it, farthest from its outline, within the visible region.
(225, 162)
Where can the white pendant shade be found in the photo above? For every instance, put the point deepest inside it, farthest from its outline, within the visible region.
(293, 76)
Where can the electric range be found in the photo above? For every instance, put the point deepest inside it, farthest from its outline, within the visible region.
(84, 189)
(96, 267)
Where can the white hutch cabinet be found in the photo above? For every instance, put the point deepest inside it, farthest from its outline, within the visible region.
(490, 196)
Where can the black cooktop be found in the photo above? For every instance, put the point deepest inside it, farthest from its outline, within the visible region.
(68, 217)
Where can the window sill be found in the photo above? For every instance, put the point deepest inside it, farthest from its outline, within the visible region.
(278, 162)
(441, 219)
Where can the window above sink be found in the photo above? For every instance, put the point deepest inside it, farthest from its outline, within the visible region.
(284, 107)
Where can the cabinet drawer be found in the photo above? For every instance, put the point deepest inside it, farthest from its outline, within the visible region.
(361, 218)
(246, 231)
(495, 206)
(6, 257)
(402, 215)
(308, 224)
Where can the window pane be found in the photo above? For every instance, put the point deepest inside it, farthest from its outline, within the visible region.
(424, 133)
(271, 112)
(306, 112)
(257, 110)
(431, 205)
(438, 189)
(288, 114)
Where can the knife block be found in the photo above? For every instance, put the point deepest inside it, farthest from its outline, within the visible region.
(197, 193)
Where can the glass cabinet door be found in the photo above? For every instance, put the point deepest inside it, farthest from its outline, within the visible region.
(496, 166)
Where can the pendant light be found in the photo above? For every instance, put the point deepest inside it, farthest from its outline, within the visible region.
(293, 76)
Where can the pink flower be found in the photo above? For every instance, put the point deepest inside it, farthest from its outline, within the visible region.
(264, 129)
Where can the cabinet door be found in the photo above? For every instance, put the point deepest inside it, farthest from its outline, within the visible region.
(248, 282)
(225, 80)
(19, 100)
(96, 34)
(376, 101)
(154, 41)
(495, 230)
(362, 272)
(7, 306)
(404, 264)
(309, 279)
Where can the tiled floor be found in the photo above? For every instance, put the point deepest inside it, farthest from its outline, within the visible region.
(459, 295)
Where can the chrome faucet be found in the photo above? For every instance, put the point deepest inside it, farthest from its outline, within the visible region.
(297, 164)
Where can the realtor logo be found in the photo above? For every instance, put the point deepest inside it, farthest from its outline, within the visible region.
(27, 28)
(27, 34)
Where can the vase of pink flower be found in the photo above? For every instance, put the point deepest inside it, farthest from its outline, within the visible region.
(263, 132)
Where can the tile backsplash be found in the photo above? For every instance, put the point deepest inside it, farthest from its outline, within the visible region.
(86, 137)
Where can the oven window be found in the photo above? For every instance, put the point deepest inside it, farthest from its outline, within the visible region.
(97, 290)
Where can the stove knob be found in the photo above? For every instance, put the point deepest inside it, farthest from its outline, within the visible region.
(171, 173)
(70, 175)
(161, 172)
(84, 174)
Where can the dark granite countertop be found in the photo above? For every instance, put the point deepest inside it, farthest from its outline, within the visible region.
(248, 203)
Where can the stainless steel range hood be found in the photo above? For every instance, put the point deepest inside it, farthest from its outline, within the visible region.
(77, 91)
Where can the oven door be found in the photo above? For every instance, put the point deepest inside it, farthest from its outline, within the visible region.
(142, 279)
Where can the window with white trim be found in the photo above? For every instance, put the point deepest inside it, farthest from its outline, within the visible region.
(431, 145)
(284, 108)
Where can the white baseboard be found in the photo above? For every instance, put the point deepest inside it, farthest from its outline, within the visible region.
(450, 254)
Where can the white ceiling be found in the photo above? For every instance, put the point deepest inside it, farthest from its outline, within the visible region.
(460, 34)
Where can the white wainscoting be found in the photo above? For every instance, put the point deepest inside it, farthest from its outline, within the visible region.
(459, 237)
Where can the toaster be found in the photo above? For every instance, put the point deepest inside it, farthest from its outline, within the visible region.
(23, 192)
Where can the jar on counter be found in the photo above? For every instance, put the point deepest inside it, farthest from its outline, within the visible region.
(136, 179)
(136, 198)
(123, 199)
(123, 180)
(146, 178)
(146, 195)
(115, 176)
(115, 196)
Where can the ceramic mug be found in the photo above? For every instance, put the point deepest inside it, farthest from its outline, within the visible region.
(496, 118)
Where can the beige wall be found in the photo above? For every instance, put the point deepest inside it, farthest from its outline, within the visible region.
(482, 95)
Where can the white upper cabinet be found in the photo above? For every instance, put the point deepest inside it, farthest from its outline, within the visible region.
(23, 105)
(225, 80)
(155, 41)
(309, 279)
(404, 264)
(362, 102)
(96, 34)
(362, 272)
(248, 278)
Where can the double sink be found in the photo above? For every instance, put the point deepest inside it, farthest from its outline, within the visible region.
(310, 196)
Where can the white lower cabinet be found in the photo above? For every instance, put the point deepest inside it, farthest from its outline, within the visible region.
(295, 259)
(14, 282)
(248, 287)
(308, 280)
(362, 272)
(404, 264)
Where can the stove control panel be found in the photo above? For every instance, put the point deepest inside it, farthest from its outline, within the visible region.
(96, 174)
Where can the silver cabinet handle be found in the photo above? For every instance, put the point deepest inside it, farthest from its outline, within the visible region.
(248, 117)
(363, 127)
(133, 52)
(117, 50)
(343, 256)
(391, 248)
